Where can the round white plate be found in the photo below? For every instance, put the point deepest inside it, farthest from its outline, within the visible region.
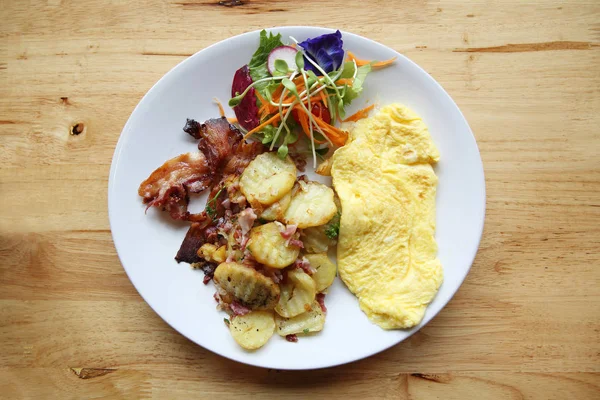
(147, 243)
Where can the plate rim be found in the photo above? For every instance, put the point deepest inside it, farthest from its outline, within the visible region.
(127, 127)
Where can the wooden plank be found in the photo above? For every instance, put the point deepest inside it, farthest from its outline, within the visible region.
(525, 324)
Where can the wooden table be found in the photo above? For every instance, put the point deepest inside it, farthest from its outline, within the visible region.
(525, 324)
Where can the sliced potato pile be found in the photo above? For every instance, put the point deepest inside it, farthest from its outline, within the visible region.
(270, 186)
(267, 178)
(311, 205)
(297, 294)
(308, 322)
(253, 330)
(326, 270)
(248, 286)
(270, 248)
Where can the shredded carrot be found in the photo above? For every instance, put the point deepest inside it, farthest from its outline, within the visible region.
(304, 123)
(221, 110)
(259, 127)
(265, 108)
(345, 81)
(277, 92)
(337, 136)
(314, 99)
(260, 98)
(360, 114)
(378, 64)
(381, 64)
(232, 120)
(358, 62)
(303, 119)
(324, 99)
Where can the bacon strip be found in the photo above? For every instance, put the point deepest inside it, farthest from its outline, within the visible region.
(321, 301)
(169, 185)
(218, 138)
(238, 309)
(195, 237)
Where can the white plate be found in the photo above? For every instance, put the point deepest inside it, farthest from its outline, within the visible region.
(147, 243)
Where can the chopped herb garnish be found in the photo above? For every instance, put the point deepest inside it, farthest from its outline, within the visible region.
(306, 330)
(333, 227)
(226, 321)
(210, 210)
(333, 230)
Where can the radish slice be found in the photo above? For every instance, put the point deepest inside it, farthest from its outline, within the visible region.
(284, 53)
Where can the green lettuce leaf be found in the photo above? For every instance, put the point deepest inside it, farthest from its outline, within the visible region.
(348, 70)
(356, 89)
(258, 62)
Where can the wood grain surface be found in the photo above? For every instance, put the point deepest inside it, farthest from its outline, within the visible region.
(526, 322)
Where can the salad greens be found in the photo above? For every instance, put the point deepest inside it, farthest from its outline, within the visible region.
(300, 88)
(258, 62)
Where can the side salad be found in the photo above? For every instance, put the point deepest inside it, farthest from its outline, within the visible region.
(287, 90)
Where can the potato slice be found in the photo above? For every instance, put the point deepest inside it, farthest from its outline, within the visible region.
(311, 205)
(253, 330)
(324, 168)
(326, 270)
(211, 253)
(267, 178)
(270, 248)
(276, 210)
(308, 322)
(297, 294)
(315, 240)
(251, 288)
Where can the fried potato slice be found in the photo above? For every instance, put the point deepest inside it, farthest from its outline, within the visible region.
(315, 239)
(253, 330)
(251, 288)
(307, 322)
(311, 205)
(326, 270)
(276, 210)
(267, 178)
(297, 294)
(270, 248)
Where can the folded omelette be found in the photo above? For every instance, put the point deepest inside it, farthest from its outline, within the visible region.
(386, 250)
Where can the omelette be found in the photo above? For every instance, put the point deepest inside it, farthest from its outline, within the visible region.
(387, 254)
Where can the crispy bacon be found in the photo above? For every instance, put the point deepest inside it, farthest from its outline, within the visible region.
(289, 231)
(217, 141)
(304, 265)
(275, 274)
(295, 242)
(299, 160)
(291, 338)
(223, 153)
(195, 237)
(243, 153)
(169, 186)
(321, 301)
(192, 127)
(238, 309)
(246, 219)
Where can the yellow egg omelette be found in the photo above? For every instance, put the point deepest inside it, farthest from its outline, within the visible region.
(387, 253)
